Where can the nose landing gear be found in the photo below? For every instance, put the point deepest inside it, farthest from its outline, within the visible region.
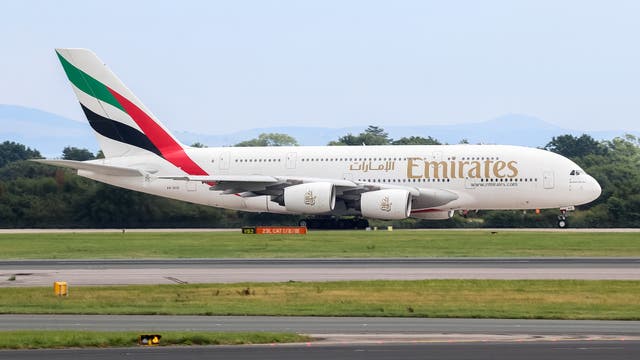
(562, 221)
(562, 218)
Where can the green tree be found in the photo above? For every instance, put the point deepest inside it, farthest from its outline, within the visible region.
(74, 153)
(372, 135)
(572, 146)
(615, 164)
(270, 139)
(198, 144)
(348, 139)
(416, 140)
(12, 151)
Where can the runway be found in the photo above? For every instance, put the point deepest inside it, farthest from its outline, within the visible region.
(167, 271)
(518, 262)
(199, 230)
(345, 338)
(570, 350)
(349, 338)
(324, 325)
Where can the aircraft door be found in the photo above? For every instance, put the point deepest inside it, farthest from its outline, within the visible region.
(225, 158)
(547, 179)
(291, 160)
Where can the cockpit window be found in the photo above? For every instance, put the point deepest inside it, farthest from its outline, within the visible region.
(575, 172)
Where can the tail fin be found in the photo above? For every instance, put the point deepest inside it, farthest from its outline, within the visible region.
(123, 126)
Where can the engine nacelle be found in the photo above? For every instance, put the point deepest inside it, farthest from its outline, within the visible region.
(434, 215)
(390, 204)
(260, 204)
(311, 198)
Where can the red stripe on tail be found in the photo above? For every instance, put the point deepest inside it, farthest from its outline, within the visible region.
(170, 149)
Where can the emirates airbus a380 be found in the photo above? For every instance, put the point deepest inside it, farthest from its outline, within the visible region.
(376, 182)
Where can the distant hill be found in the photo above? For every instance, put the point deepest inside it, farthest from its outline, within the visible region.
(507, 130)
(46, 132)
(50, 133)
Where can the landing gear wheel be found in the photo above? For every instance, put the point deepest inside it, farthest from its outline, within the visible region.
(562, 222)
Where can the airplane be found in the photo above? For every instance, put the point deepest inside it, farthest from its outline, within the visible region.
(372, 182)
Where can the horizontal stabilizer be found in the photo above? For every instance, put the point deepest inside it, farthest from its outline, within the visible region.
(93, 167)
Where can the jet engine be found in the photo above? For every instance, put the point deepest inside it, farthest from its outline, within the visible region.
(311, 198)
(390, 204)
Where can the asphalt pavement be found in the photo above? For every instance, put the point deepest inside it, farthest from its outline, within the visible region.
(322, 325)
(166, 271)
(569, 350)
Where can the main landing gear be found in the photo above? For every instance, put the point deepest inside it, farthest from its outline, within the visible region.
(334, 223)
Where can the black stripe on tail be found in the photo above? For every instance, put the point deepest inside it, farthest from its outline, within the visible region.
(118, 131)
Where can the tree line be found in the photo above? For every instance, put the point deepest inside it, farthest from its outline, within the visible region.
(36, 195)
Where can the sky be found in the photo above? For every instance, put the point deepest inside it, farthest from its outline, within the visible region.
(221, 66)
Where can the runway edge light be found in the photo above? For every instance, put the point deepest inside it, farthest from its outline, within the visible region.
(149, 340)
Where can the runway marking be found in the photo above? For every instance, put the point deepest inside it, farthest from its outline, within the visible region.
(176, 280)
(431, 338)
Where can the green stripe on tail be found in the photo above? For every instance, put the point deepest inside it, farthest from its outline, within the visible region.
(88, 84)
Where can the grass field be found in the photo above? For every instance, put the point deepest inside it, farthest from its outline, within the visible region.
(427, 243)
(38, 339)
(526, 299)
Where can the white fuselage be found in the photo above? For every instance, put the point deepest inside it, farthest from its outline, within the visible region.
(378, 182)
(482, 176)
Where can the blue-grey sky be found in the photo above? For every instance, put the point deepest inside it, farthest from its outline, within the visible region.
(221, 66)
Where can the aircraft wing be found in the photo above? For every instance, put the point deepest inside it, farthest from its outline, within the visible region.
(256, 178)
(93, 167)
(223, 178)
(257, 185)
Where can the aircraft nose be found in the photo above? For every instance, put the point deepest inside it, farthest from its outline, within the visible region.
(594, 188)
